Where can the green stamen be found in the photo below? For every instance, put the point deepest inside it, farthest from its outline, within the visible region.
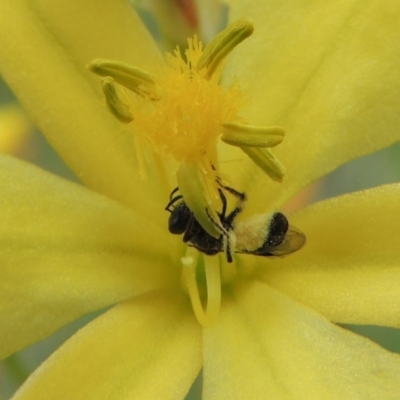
(114, 101)
(217, 50)
(240, 135)
(194, 191)
(131, 77)
(266, 161)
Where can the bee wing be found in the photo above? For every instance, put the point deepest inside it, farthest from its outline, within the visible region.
(294, 240)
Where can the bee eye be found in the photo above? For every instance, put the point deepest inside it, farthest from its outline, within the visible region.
(179, 219)
(277, 230)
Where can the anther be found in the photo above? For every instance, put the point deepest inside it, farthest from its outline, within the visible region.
(115, 102)
(266, 161)
(194, 191)
(237, 134)
(218, 49)
(131, 77)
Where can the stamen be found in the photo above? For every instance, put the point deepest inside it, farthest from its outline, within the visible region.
(131, 77)
(217, 50)
(115, 102)
(196, 193)
(208, 316)
(237, 134)
(266, 161)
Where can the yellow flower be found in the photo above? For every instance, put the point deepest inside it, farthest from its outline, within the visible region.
(326, 72)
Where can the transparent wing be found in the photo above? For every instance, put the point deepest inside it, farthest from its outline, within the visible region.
(294, 240)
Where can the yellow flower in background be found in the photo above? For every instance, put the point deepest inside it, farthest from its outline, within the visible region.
(327, 74)
(15, 129)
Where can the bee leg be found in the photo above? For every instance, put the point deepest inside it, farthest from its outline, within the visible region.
(241, 196)
(229, 244)
(231, 217)
(228, 252)
(224, 204)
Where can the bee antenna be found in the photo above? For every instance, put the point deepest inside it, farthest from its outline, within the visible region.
(173, 201)
(173, 192)
(224, 204)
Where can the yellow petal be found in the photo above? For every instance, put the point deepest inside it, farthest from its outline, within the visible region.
(349, 269)
(66, 251)
(326, 73)
(266, 346)
(148, 348)
(89, 30)
(44, 50)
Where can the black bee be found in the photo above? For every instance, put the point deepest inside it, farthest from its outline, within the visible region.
(183, 221)
(262, 235)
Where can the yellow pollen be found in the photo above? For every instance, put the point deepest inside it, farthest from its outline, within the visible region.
(186, 121)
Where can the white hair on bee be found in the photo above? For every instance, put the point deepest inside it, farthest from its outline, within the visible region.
(252, 232)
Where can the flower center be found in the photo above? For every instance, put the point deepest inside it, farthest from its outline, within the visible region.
(183, 112)
(186, 120)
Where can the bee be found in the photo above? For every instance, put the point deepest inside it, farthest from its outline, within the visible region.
(183, 221)
(264, 235)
